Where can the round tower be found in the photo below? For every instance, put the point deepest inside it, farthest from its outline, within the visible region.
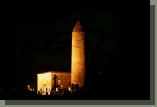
(78, 55)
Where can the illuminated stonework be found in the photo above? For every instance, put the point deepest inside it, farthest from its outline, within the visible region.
(45, 80)
(78, 27)
(77, 75)
(63, 77)
(78, 56)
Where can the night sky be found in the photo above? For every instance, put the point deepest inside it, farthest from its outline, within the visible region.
(116, 43)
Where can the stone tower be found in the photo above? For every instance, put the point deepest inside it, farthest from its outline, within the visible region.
(78, 55)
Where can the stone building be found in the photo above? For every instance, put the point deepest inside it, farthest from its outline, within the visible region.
(51, 79)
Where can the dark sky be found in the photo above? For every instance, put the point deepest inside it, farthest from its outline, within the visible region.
(117, 44)
(46, 43)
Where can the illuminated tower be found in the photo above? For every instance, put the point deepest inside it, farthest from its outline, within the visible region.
(78, 56)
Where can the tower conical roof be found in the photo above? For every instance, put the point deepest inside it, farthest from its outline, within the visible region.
(78, 27)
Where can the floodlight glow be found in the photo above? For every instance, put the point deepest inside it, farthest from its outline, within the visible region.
(44, 81)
